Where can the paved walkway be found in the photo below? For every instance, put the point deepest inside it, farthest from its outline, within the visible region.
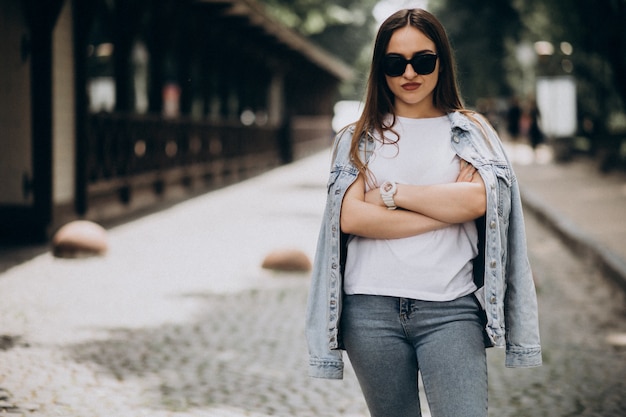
(585, 207)
(180, 320)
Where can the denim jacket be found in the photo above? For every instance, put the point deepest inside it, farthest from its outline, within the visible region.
(501, 270)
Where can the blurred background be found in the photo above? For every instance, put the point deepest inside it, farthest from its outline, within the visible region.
(112, 110)
(110, 107)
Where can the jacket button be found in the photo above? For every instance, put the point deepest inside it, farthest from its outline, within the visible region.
(334, 266)
(492, 300)
(492, 264)
(492, 224)
(456, 139)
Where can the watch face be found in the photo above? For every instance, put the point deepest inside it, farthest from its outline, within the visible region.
(387, 187)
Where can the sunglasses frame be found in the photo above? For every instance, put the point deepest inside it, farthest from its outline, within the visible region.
(417, 63)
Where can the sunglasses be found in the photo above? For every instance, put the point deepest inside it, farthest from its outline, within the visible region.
(394, 65)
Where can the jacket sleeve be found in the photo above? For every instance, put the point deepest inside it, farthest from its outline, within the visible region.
(324, 303)
(522, 324)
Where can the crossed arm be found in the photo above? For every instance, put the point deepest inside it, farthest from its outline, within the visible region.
(421, 208)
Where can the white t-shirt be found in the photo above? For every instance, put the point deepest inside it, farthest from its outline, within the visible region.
(434, 266)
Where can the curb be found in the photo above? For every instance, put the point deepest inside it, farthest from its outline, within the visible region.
(579, 242)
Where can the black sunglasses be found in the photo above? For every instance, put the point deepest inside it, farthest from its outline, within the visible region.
(394, 65)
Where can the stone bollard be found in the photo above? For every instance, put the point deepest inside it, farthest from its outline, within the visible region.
(79, 239)
(288, 260)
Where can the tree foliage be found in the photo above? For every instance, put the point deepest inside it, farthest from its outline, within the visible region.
(479, 31)
(597, 31)
(341, 26)
(485, 35)
(345, 28)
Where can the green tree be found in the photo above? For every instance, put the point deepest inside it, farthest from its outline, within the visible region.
(597, 31)
(345, 28)
(480, 31)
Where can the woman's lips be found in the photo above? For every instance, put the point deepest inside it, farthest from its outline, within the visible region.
(411, 86)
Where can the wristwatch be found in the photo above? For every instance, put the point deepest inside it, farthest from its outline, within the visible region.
(387, 191)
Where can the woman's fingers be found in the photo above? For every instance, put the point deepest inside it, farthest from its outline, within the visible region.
(466, 174)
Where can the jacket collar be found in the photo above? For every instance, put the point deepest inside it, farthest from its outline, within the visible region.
(459, 121)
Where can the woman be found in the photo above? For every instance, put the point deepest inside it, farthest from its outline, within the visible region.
(421, 259)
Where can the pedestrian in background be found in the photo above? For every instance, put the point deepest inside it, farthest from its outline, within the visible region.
(421, 260)
(513, 116)
(535, 135)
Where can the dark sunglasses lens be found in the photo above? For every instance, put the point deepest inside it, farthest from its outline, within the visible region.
(424, 64)
(394, 65)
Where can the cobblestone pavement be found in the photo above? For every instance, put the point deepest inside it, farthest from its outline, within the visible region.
(580, 312)
(179, 320)
(241, 354)
(582, 204)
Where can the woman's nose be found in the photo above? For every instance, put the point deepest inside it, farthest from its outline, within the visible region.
(409, 71)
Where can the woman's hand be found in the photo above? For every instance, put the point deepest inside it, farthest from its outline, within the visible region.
(456, 202)
(362, 214)
(466, 174)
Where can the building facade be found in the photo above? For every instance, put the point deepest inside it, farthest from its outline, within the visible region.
(108, 107)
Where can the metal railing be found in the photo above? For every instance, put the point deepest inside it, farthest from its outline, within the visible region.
(127, 152)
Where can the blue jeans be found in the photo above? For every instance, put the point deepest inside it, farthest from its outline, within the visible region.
(390, 339)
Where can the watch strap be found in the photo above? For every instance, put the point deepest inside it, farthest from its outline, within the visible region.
(387, 191)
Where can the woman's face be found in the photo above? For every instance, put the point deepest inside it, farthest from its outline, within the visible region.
(413, 92)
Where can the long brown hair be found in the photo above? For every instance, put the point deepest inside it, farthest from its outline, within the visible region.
(379, 101)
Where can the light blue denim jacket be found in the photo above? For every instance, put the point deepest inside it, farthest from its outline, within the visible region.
(501, 270)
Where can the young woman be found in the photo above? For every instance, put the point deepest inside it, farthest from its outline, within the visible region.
(421, 260)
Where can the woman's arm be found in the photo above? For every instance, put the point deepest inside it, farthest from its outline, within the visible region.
(456, 202)
(362, 218)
